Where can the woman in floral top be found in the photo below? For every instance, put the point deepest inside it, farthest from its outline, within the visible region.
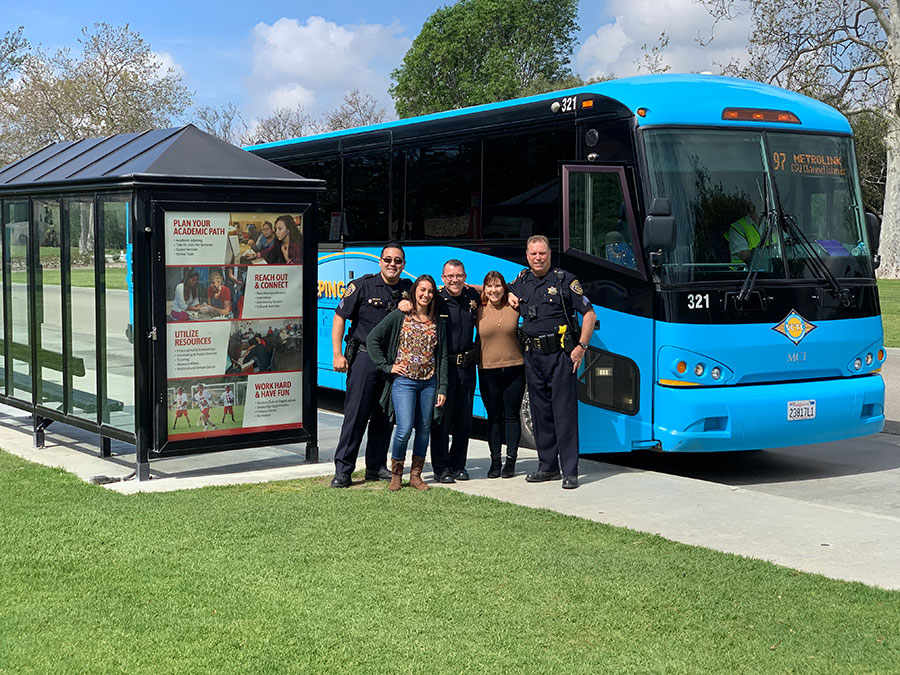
(412, 347)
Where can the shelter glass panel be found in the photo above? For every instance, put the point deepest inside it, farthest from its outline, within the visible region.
(82, 380)
(5, 286)
(16, 235)
(48, 302)
(116, 348)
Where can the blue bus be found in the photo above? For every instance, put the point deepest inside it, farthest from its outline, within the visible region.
(716, 224)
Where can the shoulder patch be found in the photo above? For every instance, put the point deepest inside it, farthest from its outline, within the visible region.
(575, 287)
(522, 274)
(351, 287)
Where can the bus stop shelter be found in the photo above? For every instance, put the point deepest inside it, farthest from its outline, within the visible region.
(143, 301)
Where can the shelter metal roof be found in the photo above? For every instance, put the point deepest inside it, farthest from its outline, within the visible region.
(183, 152)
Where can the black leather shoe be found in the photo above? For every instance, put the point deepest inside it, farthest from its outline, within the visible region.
(341, 479)
(494, 471)
(462, 474)
(570, 482)
(447, 477)
(542, 476)
(381, 474)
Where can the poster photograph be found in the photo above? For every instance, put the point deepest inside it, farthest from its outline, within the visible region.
(234, 352)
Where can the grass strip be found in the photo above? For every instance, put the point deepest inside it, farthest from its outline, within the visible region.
(889, 294)
(81, 277)
(298, 577)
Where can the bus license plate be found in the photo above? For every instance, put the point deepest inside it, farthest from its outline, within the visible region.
(801, 410)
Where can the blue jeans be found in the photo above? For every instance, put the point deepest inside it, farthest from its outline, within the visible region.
(413, 408)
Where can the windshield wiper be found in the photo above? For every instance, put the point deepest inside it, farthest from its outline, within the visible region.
(750, 279)
(814, 260)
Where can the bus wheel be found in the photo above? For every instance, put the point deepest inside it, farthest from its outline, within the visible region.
(527, 440)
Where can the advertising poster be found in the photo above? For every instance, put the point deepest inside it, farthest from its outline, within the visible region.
(234, 311)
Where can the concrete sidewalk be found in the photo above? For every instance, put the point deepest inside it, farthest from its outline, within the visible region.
(839, 542)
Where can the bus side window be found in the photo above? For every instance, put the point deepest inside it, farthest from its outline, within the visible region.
(521, 183)
(598, 222)
(443, 183)
(328, 170)
(366, 196)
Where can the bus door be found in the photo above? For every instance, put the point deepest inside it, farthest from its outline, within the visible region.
(599, 244)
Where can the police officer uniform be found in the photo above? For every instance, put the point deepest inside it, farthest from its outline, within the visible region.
(460, 314)
(365, 303)
(547, 305)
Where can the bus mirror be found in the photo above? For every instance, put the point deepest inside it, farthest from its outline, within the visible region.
(873, 229)
(659, 226)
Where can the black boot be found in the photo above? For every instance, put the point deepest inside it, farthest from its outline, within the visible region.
(494, 471)
(509, 469)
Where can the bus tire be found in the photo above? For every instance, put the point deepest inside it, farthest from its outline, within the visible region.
(527, 440)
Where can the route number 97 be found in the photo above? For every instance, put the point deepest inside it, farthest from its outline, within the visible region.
(698, 300)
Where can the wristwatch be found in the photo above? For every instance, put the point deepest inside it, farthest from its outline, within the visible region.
(583, 345)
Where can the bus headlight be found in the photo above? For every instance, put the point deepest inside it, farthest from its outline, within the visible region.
(869, 359)
(716, 373)
(699, 370)
(857, 363)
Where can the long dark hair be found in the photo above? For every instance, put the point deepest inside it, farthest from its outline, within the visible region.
(291, 227)
(191, 272)
(494, 275)
(432, 309)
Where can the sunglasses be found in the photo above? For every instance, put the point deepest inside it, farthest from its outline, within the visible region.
(388, 260)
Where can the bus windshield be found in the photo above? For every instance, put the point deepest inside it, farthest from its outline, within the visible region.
(775, 203)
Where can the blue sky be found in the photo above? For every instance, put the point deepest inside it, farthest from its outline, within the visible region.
(262, 54)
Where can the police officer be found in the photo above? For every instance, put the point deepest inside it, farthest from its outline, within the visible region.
(548, 298)
(366, 302)
(458, 304)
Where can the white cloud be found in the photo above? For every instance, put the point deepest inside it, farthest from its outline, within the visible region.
(616, 47)
(316, 62)
(166, 62)
(290, 95)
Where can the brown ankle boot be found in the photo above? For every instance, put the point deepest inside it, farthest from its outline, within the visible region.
(396, 474)
(415, 474)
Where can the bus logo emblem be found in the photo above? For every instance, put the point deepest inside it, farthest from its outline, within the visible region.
(794, 327)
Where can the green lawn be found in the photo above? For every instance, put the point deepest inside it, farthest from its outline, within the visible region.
(295, 576)
(115, 277)
(889, 292)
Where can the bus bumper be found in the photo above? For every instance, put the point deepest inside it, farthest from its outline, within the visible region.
(715, 419)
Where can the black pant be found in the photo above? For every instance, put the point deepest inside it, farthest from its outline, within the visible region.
(552, 390)
(365, 384)
(456, 421)
(502, 390)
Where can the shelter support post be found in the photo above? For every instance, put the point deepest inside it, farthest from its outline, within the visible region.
(40, 423)
(105, 447)
(312, 453)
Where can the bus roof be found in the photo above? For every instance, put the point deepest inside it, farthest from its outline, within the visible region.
(669, 99)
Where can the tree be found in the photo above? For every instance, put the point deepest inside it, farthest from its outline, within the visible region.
(13, 47)
(847, 54)
(116, 85)
(479, 51)
(224, 121)
(283, 123)
(358, 109)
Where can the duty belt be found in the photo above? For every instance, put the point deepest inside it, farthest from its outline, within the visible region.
(464, 359)
(547, 343)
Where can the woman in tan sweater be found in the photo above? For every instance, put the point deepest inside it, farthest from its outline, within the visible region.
(501, 373)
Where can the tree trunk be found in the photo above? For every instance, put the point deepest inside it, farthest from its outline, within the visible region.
(890, 224)
(890, 232)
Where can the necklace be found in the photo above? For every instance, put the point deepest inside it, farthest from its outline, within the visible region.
(499, 315)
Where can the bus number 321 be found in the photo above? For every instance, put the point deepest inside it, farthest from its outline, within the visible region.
(698, 300)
